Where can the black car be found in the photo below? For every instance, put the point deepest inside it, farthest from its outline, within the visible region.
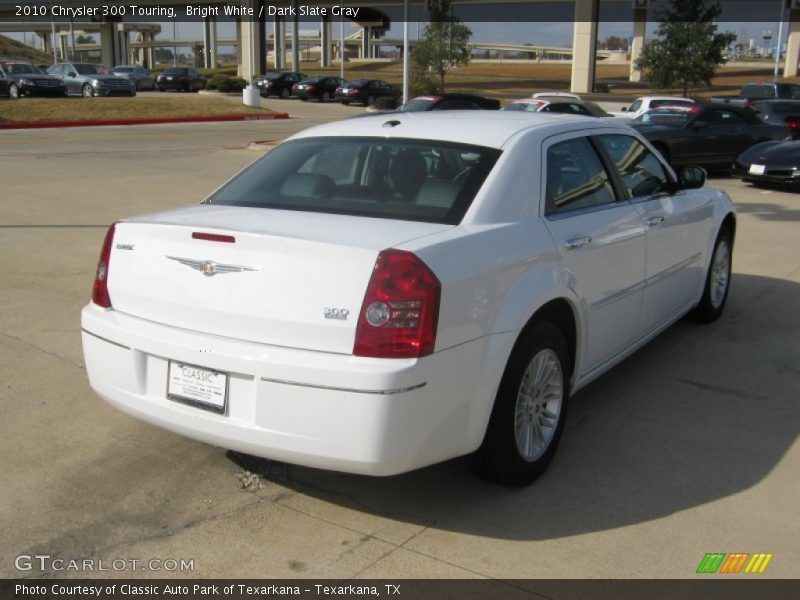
(183, 79)
(779, 112)
(278, 83)
(321, 88)
(450, 102)
(366, 91)
(19, 79)
(770, 163)
(705, 134)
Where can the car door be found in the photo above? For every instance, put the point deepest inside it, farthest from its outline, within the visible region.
(675, 220)
(718, 137)
(600, 237)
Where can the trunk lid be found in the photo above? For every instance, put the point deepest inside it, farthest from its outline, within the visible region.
(272, 285)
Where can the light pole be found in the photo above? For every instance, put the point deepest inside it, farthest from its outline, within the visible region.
(780, 41)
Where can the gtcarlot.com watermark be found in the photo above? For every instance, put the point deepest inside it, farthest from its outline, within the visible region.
(47, 562)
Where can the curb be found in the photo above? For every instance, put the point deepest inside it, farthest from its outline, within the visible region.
(142, 121)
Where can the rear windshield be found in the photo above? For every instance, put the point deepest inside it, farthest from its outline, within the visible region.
(122, 70)
(174, 71)
(418, 104)
(415, 180)
(665, 116)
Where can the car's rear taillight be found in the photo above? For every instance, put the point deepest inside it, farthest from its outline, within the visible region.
(100, 289)
(792, 124)
(400, 312)
(310, 88)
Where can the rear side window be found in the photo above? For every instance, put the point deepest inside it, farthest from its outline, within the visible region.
(576, 178)
(371, 177)
(641, 172)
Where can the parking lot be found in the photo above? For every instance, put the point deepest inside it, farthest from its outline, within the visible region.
(688, 447)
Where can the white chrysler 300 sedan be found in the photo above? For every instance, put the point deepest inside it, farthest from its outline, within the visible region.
(380, 294)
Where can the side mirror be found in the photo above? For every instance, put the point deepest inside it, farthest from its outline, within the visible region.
(691, 177)
(624, 109)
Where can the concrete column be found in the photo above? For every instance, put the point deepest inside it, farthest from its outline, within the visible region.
(584, 45)
(639, 27)
(63, 46)
(793, 45)
(325, 42)
(261, 54)
(251, 45)
(239, 49)
(123, 46)
(213, 41)
(295, 37)
(150, 54)
(47, 43)
(278, 42)
(207, 43)
(108, 44)
(366, 34)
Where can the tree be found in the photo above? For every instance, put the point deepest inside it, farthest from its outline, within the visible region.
(614, 42)
(444, 44)
(688, 48)
(85, 39)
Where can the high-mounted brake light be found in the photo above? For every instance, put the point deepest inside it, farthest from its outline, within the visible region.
(213, 237)
(100, 289)
(400, 313)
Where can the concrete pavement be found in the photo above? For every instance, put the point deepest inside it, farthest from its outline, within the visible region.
(690, 446)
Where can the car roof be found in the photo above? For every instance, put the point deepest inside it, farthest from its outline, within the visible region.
(474, 127)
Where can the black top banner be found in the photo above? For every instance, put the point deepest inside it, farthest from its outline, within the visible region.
(608, 11)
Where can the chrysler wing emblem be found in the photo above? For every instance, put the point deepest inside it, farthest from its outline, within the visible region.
(209, 268)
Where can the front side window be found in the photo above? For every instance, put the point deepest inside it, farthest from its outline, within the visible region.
(641, 172)
(414, 180)
(576, 178)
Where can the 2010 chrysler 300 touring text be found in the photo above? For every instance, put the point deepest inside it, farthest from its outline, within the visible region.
(381, 294)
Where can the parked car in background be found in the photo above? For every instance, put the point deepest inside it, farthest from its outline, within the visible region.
(181, 79)
(87, 80)
(366, 91)
(705, 134)
(450, 102)
(557, 104)
(319, 88)
(760, 91)
(278, 83)
(777, 112)
(19, 78)
(375, 299)
(770, 163)
(645, 103)
(142, 78)
(556, 95)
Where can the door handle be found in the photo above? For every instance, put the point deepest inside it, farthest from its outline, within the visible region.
(577, 242)
(654, 220)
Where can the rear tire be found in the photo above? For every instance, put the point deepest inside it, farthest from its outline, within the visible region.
(370, 100)
(718, 279)
(325, 97)
(530, 409)
(13, 91)
(285, 94)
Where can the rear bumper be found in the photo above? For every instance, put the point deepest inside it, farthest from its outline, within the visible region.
(331, 411)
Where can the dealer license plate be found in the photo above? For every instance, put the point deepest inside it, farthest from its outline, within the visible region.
(197, 386)
(757, 169)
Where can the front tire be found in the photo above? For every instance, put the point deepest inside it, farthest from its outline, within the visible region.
(530, 409)
(718, 279)
(13, 91)
(87, 91)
